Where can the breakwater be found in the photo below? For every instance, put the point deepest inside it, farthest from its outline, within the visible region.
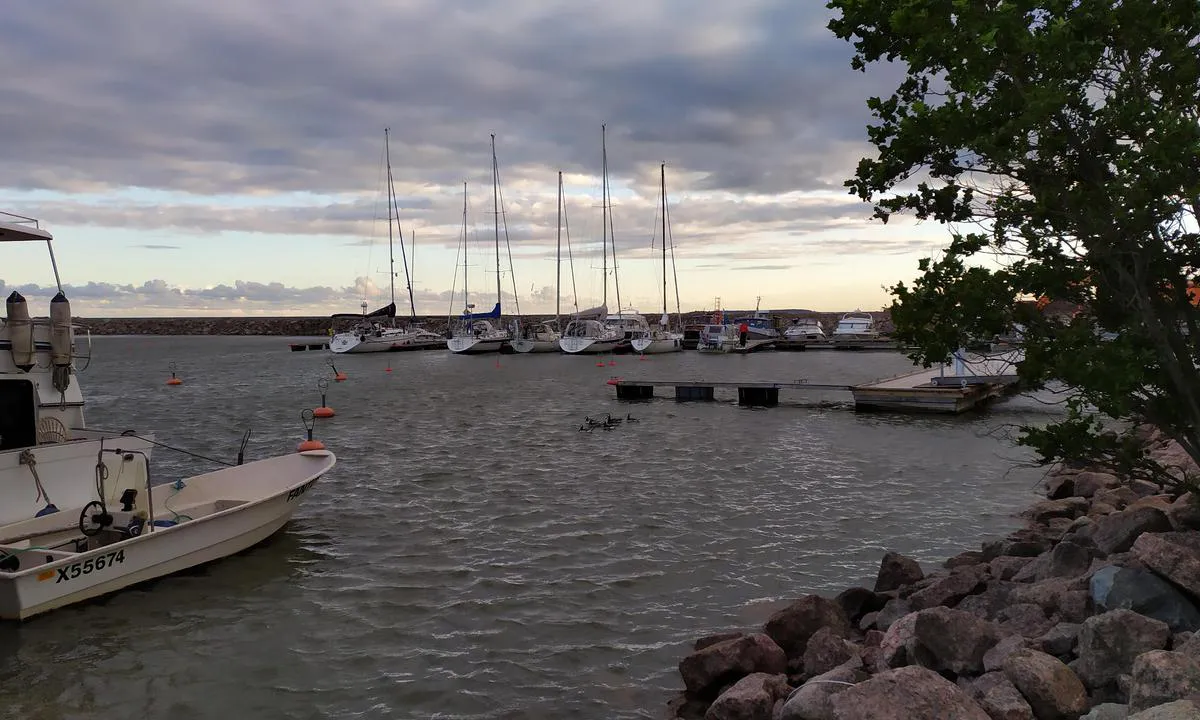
(320, 326)
(1088, 611)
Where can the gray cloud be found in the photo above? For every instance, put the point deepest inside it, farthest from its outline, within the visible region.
(157, 247)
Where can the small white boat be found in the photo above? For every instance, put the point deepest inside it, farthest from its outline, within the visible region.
(804, 330)
(136, 533)
(538, 338)
(717, 339)
(475, 334)
(856, 328)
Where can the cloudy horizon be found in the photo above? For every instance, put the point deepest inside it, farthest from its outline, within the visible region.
(208, 159)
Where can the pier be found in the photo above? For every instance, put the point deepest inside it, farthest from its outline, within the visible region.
(967, 383)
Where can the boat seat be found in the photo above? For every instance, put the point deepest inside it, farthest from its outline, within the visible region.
(51, 430)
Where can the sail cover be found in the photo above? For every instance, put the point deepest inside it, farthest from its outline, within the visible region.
(495, 313)
(388, 311)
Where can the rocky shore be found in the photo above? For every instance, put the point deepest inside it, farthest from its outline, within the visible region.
(1088, 611)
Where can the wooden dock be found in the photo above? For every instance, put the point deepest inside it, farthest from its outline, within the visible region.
(972, 382)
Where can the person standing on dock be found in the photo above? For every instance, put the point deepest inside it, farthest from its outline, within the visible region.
(743, 333)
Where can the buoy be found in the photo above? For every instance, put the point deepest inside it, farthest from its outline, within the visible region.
(614, 380)
(174, 380)
(338, 376)
(324, 411)
(306, 417)
(641, 357)
(612, 362)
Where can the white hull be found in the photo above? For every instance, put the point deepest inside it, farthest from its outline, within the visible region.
(230, 510)
(473, 346)
(587, 345)
(535, 346)
(656, 346)
(352, 343)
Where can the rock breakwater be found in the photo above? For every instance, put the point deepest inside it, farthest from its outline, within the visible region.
(1088, 611)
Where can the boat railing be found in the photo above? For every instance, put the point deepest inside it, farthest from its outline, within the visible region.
(76, 331)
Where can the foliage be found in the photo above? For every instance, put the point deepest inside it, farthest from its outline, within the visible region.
(1061, 140)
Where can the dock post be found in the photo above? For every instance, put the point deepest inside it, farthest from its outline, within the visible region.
(693, 392)
(635, 392)
(758, 396)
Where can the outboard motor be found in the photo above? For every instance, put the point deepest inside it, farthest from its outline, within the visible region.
(61, 344)
(20, 331)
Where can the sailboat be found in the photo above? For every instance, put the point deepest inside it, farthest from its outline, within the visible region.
(591, 331)
(545, 336)
(370, 334)
(474, 332)
(661, 339)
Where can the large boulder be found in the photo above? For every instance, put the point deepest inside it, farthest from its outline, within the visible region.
(705, 671)
(907, 693)
(751, 698)
(1173, 555)
(1178, 710)
(814, 699)
(1087, 483)
(951, 640)
(859, 601)
(1159, 677)
(1108, 644)
(1064, 560)
(1145, 593)
(792, 626)
(897, 571)
(949, 590)
(1047, 510)
(1024, 619)
(999, 698)
(825, 651)
(1184, 513)
(1052, 690)
(1117, 532)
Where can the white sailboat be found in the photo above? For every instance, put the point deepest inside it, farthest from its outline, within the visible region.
(661, 339)
(546, 336)
(370, 334)
(79, 515)
(590, 332)
(474, 333)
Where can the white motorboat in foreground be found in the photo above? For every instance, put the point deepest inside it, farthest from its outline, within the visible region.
(62, 537)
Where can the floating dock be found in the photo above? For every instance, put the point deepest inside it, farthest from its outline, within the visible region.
(971, 383)
(297, 347)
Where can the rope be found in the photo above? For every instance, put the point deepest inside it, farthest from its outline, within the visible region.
(179, 450)
(27, 458)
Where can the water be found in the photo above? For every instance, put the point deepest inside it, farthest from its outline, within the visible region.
(473, 555)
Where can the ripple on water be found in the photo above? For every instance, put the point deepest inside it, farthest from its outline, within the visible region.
(474, 555)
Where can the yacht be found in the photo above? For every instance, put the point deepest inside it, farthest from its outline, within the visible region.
(855, 329)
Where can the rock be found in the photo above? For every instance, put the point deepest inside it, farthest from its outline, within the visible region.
(948, 590)
(1161, 676)
(1024, 619)
(1184, 513)
(1087, 483)
(1162, 502)
(1066, 559)
(1052, 690)
(993, 659)
(1046, 510)
(1116, 533)
(1178, 710)
(896, 571)
(1059, 640)
(1099, 510)
(1108, 644)
(867, 622)
(1059, 486)
(707, 670)
(858, 601)
(814, 699)
(1144, 488)
(1190, 647)
(1173, 555)
(951, 640)
(908, 693)
(1118, 498)
(969, 557)
(792, 626)
(999, 698)
(825, 651)
(872, 638)
(708, 640)
(1101, 582)
(896, 642)
(1006, 567)
(686, 707)
(891, 612)
(1068, 598)
(1147, 594)
(1107, 711)
(751, 698)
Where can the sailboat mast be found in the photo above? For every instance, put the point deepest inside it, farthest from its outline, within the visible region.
(663, 173)
(558, 261)
(604, 211)
(466, 297)
(496, 213)
(393, 203)
(391, 258)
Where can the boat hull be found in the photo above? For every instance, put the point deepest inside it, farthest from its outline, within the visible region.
(535, 346)
(587, 345)
(473, 346)
(657, 346)
(347, 343)
(236, 524)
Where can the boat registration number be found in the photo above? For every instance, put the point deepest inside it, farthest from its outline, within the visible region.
(297, 492)
(89, 566)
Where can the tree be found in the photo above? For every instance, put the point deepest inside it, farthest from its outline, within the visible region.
(1060, 139)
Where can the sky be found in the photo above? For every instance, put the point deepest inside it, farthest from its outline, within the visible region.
(203, 158)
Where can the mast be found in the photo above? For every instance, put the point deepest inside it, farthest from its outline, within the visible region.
(663, 173)
(558, 261)
(612, 236)
(466, 297)
(391, 257)
(496, 213)
(604, 212)
(393, 202)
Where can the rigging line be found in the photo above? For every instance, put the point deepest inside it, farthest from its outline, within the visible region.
(674, 270)
(570, 257)
(178, 449)
(462, 235)
(504, 221)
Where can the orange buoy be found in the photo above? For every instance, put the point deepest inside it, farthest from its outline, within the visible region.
(600, 363)
(339, 377)
(323, 412)
(310, 444)
(174, 381)
(614, 380)
(306, 417)
(641, 357)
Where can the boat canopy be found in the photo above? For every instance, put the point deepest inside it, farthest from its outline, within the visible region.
(388, 311)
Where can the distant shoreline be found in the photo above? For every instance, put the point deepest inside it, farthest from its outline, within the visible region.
(320, 326)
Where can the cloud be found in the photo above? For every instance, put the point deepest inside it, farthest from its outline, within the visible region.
(157, 247)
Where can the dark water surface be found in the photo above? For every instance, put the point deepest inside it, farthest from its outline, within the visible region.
(473, 555)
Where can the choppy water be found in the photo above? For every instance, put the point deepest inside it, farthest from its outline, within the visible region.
(474, 555)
